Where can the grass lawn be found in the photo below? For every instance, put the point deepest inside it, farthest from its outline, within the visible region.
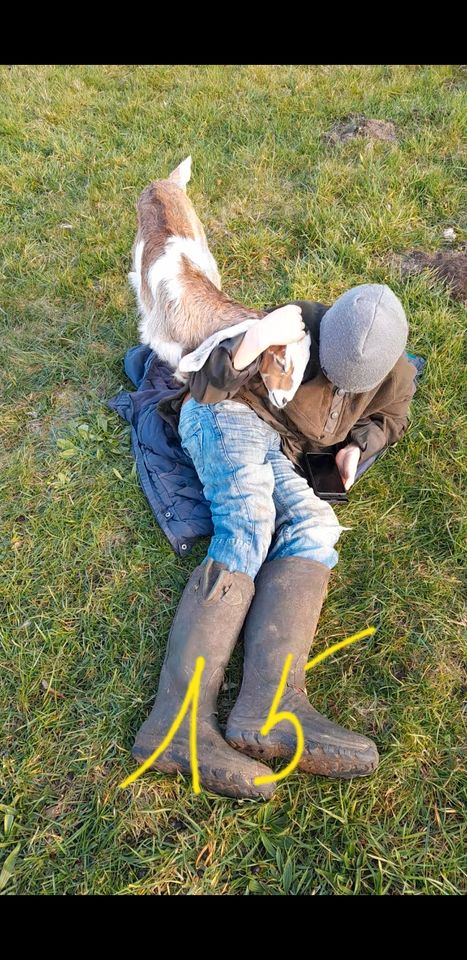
(89, 584)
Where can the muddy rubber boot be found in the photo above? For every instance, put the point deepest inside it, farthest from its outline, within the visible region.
(282, 619)
(207, 623)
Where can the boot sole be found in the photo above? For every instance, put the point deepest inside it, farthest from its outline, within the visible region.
(215, 781)
(318, 761)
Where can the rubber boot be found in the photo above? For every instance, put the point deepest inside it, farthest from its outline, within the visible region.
(282, 619)
(207, 623)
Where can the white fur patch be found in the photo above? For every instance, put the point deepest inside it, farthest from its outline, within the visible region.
(168, 267)
(135, 275)
(166, 270)
(138, 256)
(168, 351)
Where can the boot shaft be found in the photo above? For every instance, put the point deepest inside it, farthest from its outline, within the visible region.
(207, 624)
(282, 619)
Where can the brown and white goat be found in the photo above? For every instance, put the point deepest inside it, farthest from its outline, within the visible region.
(175, 276)
(177, 284)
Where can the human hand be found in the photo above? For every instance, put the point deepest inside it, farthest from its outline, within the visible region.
(282, 326)
(347, 462)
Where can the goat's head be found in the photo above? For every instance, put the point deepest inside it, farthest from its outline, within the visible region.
(282, 369)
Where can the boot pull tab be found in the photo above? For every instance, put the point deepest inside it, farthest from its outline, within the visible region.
(218, 585)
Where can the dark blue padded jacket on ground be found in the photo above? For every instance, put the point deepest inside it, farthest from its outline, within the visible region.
(166, 473)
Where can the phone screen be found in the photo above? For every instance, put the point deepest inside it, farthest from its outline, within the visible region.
(324, 473)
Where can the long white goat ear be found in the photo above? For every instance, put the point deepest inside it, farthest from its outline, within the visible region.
(182, 173)
(195, 360)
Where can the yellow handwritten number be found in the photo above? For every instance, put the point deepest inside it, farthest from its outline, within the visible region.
(275, 718)
(192, 695)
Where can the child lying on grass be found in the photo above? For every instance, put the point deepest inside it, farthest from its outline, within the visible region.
(273, 548)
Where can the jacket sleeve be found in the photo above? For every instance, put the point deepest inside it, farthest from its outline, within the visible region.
(218, 379)
(387, 425)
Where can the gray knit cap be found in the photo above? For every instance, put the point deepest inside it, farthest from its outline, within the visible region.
(362, 336)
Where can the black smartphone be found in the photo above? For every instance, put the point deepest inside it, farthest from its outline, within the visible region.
(323, 475)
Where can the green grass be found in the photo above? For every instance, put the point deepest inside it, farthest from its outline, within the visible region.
(89, 584)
